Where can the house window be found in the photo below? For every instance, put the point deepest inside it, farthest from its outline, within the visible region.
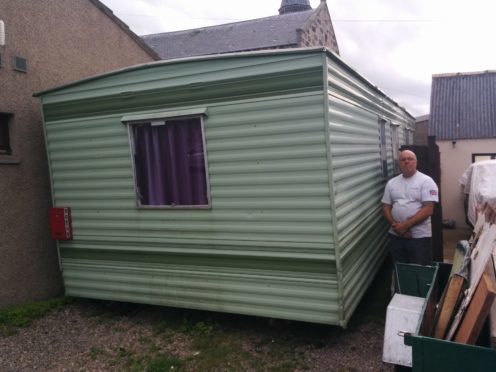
(170, 162)
(395, 147)
(485, 156)
(382, 141)
(5, 148)
(20, 64)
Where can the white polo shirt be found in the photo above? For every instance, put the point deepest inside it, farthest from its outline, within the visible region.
(406, 196)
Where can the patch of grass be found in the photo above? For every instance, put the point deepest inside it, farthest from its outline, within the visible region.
(21, 316)
(218, 342)
(153, 348)
(160, 327)
(226, 342)
(213, 348)
(201, 331)
(279, 353)
(163, 363)
(95, 352)
(218, 346)
(123, 356)
(123, 353)
(129, 361)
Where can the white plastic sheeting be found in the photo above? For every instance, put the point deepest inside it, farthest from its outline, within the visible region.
(479, 182)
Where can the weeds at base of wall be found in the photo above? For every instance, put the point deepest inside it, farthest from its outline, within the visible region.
(13, 318)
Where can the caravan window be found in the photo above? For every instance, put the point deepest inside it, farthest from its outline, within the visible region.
(395, 147)
(169, 159)
(407, 136)
(382, 144)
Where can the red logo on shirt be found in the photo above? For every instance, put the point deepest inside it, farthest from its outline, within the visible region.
(433, 192)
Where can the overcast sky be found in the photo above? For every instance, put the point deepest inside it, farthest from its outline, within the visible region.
(396, 44)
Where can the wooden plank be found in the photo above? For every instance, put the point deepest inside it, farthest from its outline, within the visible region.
(461, 258)
(448, 305)
(482, 252)
(477, 311)
(482, 246)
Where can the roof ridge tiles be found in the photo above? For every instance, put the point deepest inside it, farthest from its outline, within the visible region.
(223, 25)
(470, 73)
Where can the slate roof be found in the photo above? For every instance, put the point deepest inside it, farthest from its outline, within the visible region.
(262, 33)
(463, 106)
(125, 28)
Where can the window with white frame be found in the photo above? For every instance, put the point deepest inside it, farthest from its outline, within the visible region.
(170, 168)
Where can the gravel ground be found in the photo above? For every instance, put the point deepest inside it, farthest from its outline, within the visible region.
(86, 335)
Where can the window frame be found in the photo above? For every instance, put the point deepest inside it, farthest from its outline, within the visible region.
(20, 64)
(383, 147)
(408, 136)
(492, 155)
(148, 118)
(395, 146)
(5, 120)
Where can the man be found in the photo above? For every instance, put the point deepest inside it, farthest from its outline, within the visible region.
(408, 204)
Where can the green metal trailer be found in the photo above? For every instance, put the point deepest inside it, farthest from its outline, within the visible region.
(285, 154)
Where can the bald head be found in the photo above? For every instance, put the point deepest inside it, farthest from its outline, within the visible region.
(408, 163)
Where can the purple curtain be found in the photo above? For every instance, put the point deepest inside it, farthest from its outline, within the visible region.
(170, 167)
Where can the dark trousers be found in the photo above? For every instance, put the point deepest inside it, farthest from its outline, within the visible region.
(414, 251)
(411, 251)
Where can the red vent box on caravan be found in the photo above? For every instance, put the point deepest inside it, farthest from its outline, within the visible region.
(60, 223)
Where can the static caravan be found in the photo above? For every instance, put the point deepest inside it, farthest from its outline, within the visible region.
(246, 183)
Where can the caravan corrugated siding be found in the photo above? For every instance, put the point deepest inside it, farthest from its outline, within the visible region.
(266, 245)
(354, 112)
(294, 230)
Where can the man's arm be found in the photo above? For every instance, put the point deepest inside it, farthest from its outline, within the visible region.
(423, 213)
(387, 210)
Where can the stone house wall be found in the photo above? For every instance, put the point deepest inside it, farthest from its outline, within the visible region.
(61, 41)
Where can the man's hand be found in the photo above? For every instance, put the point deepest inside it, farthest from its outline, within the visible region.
(402, 229)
